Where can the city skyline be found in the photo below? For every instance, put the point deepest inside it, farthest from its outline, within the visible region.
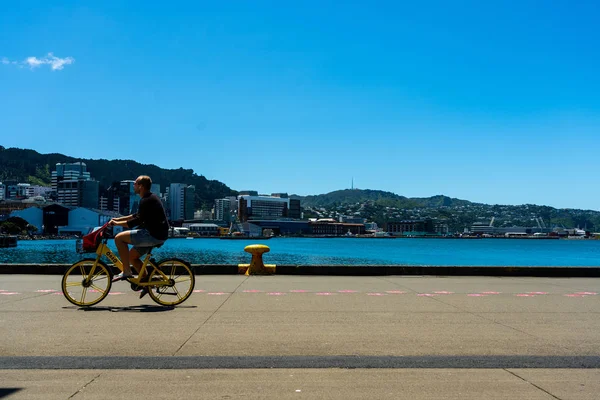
(491, 103)
(71, 194)
(163, 189)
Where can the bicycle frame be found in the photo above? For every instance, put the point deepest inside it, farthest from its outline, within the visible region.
(104, 250)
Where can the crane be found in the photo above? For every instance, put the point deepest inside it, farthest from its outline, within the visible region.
(538, 222)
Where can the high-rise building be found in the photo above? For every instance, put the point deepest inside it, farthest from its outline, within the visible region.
(233, 204)
(190, 195)
(181, 201)
(109, 199)
(74, 186)
(120, 197)
(223, 210)
(2, 191)
(78, 193)
(129, 201)
(295, 211)
(69, 171)
(103, 203)
(175, 200)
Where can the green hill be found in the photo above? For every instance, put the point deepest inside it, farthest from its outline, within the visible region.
(378, 197)
(380, 207)
(29, 166)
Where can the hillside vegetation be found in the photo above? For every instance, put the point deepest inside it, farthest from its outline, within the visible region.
(381, 207)
(29, 166)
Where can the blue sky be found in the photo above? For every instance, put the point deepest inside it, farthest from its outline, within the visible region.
(492, 102)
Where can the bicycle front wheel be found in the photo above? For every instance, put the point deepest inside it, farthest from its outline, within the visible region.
(175, 282)
(87, 282)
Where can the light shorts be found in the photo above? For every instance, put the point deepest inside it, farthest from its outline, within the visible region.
(143, 241)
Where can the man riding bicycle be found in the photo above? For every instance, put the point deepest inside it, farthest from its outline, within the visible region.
(153, 229)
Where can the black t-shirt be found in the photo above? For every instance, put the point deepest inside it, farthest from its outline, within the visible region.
(151, 216)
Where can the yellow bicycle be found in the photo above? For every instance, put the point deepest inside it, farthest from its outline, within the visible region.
(87, 282)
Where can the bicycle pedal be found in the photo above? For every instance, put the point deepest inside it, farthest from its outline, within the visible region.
(135, 287)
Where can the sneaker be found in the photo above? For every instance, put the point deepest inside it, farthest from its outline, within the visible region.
(144, 291)
(121, 277)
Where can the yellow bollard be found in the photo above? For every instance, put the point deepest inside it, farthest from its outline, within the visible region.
(256, 266)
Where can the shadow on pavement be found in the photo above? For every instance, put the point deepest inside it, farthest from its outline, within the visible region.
(140, 308)
(8, 391)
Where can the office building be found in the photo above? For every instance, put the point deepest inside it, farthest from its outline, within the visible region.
(35, 190)
(266, 207)
(181, 201)
(121, 197)
(418, 227)
(294, 210)
(103, 203)
(188, 206)
(129, 202)
(78, 193)
(332, 228)
(16, 191)
(223, 210)
(74, 186)
(69, 171)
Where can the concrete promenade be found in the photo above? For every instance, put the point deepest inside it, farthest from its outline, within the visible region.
(311, 337)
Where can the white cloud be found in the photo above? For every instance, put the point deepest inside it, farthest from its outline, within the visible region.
(33, 62)
(55, 63)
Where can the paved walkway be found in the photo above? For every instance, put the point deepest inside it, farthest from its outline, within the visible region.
(305, 336)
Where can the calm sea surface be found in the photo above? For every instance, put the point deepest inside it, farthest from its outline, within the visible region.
(344, 251)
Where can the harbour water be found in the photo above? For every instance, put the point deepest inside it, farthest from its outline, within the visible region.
(344, 251)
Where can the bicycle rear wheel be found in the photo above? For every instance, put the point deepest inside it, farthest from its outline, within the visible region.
(87, 282)
(175, 282)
